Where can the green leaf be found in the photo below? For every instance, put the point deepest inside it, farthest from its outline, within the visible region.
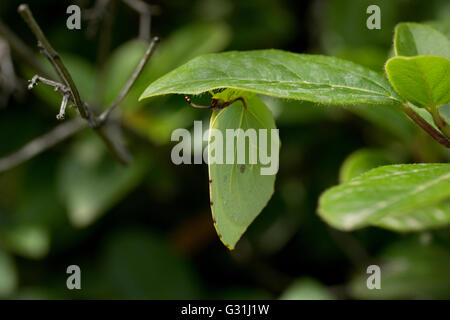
(443, 26)
(413, 195)
(280, 74)
(306, 289)
(414, 39)
(409, 270)
(238, 192)
(91, 181)
(429, 217)
(422, 80)
(361, 161)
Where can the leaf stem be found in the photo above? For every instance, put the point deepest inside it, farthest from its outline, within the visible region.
(440, 123)
(421, 122)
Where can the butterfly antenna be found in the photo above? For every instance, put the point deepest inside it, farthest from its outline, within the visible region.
(188, 100)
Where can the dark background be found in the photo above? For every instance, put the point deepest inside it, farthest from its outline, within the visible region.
(149, 232)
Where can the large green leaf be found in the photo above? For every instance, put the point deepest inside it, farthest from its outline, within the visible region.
(400, 197)
(422, 80)
(280, 74)
(413, 39)
(238, 192)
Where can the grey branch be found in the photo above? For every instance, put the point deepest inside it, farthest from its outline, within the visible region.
(56, 61)
(47, 50)
(44, 142)
(104, 128)
(148, 53)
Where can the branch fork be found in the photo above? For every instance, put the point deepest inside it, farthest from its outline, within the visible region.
(70, 96)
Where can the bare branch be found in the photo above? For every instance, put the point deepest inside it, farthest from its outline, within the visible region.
(148, 53)
(56, 61)
(115, 147)
(42, 143)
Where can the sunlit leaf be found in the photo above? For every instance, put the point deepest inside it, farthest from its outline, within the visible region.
(422, 80)
(280, 74)
(400, 195)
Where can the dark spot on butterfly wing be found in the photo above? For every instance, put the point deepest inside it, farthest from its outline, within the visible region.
(242, 168)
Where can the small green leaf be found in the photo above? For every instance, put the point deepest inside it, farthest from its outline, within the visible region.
(307, 289)
(413, 39)
(238, 192)
(402, 197)
(361, 161)
(280, 74)
(422, 80)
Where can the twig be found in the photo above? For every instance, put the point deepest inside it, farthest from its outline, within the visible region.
(436, 135)
(67, 129)
(148, 53)
(115, 147)
(56, 61)
(42, 143)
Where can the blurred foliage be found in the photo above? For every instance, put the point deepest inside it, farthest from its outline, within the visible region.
(145, 231)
